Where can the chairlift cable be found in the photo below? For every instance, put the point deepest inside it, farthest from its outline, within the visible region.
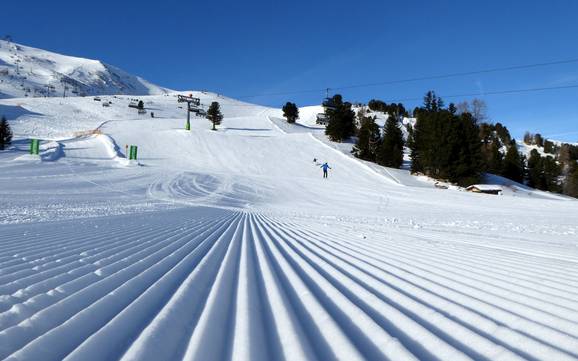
(429, 77)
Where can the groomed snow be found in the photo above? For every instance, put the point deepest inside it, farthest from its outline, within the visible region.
(229, 245)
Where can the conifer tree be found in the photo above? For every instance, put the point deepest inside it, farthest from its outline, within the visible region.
(494, 159)
(429, 101)
(290, 112)
(467, 169)
(446, 145)
(503, 133)
(214, 114)
(535, 179)
(513, 165)
(5, 133)
(368, 138)
(571, 183)
(391, 149)
(528, 138)
(432, 102)
(548, 146)
(551, 172)
(341, 124)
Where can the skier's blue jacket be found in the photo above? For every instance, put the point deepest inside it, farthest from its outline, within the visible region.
(325, 166)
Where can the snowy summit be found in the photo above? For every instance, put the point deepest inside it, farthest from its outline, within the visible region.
(30, 72)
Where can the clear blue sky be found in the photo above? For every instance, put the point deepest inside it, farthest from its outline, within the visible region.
(240, 48)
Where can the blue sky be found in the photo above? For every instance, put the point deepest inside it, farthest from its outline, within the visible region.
(241, 48)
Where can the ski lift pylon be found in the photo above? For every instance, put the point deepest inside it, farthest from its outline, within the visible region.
(328, 101)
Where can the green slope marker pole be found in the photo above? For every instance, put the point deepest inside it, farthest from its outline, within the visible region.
(133, 152)
(34, 146)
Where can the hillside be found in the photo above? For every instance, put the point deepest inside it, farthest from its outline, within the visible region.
(30, 72)
(232, 238)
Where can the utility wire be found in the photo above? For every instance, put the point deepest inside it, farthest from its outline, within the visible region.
(429, 77)
(455, 75)
(496, 92)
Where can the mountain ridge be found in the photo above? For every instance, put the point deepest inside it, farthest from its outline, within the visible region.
(31, 72)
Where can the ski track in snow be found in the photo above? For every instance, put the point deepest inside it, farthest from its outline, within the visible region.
(210, 250)
(220, 284)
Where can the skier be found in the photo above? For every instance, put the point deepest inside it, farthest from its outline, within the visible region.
(325, 166)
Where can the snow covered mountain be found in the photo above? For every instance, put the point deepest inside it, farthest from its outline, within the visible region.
(31, 72)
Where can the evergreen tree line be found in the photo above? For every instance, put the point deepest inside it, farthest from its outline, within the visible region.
(450, 144)
(393, 109)
(554, 173)
(5, 133)
(538, 140)
(494, 139)
(445, 145)
(371, 145)
(557, 171)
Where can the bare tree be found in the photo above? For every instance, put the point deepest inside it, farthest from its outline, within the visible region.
(463, 107)
(479, 110)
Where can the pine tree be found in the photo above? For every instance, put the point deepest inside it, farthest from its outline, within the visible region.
(214, 114)
(368, 139)
(551, 172)
(571, 183)
(467, 168)
(494, 158)
(528, 138)
(535, 178)
(5, 133)
(538, 140)
(140, 104)
(548, 146)
(429, 101)
(432, 102)
(503, 133)
(391, 149)
(513, 166)
(290, 112)
(341, 124)
(445, 145)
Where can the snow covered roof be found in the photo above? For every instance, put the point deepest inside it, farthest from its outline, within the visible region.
(485, 187)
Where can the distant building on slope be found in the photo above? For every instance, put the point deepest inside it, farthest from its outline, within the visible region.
(322, 119)
(485, 188)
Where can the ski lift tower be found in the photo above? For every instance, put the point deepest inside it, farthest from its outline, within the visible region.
(192, 106)
(328, 101)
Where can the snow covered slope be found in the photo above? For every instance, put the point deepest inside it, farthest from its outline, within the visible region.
(30, 72)
(229, 245)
